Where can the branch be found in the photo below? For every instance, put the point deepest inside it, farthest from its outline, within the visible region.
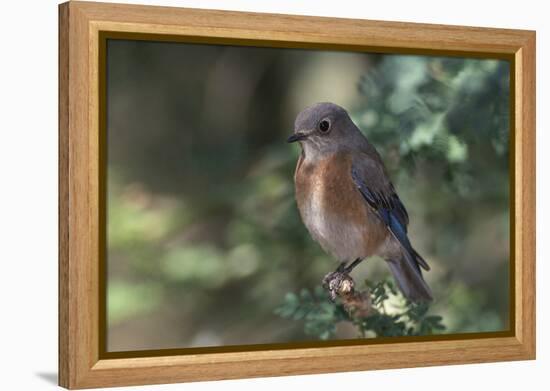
(341, 286)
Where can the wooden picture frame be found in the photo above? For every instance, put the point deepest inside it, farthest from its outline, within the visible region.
(82, 25)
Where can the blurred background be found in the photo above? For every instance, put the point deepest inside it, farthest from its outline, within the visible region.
(203, 234)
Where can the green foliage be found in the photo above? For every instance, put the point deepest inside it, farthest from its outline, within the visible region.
(392, 315)
(450, 113)
(320, 315)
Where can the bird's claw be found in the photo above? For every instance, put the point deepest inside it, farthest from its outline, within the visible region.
(338, 283)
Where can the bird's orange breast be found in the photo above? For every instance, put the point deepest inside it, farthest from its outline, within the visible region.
(333, 210)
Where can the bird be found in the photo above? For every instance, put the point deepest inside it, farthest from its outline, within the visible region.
(347, 201)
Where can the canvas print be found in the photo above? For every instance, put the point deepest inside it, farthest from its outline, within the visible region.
(267, 195)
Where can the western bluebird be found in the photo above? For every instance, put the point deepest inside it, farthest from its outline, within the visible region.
(346, 200)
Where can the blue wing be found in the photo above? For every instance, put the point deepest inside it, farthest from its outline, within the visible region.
(383, 200)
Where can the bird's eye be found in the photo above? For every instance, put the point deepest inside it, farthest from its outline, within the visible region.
(324, 126)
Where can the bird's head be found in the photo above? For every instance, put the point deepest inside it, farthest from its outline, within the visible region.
(324, 128)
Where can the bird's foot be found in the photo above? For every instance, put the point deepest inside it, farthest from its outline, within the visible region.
(338, 283)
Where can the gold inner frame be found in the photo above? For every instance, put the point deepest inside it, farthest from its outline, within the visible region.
(104, 36)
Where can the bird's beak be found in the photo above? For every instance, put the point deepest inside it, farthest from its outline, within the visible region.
(296, 137)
